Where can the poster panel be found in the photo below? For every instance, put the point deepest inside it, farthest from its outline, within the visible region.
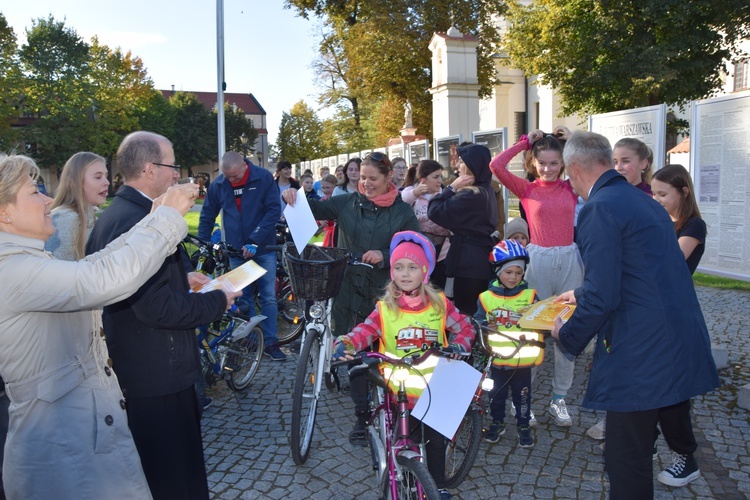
(720, 166)
(396, 151)
(443, 147)
(419, 150)
(647, 124)
(496, 140)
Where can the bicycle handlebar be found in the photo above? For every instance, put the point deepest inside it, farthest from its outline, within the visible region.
(369, 358)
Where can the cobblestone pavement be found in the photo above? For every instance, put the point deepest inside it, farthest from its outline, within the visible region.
(246, 438)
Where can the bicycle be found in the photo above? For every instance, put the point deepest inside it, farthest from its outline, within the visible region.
(213, 259)
(232, 347)
(399, 462)
(316, 276)
(463, 448)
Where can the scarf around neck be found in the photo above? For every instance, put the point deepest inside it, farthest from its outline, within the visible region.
(382, 200)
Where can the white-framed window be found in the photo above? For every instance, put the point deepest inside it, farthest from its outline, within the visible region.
(742, 75)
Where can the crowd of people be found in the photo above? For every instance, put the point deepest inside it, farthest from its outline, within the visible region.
(90, 298)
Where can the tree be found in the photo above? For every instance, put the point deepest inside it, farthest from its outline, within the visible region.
(194, 138)
(374, 55)
(606, 55)
(121, 88)
(155, 114)
(299, 134)
(235, 124)
(55, 62)
(10, 80)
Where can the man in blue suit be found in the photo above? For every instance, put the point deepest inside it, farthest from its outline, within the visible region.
(652, 349)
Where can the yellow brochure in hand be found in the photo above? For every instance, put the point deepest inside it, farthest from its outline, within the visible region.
(235, 280)
(541, 315)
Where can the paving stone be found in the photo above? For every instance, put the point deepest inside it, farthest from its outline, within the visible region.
(246, 438)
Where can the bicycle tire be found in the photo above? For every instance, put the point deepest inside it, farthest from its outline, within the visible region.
(291, 319)
(462, 450)
(244, 359)
(305, 397)
(416, 477)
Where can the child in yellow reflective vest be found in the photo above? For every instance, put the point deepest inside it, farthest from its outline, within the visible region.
(500, 307)
(411, 313)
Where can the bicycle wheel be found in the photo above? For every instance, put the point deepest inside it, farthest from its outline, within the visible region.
(291, 318)
(416, 484)
(243, 359)
(305, 397)
(462, 450)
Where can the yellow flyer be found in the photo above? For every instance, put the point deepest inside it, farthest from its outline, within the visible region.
(235, 280)
(541, 315)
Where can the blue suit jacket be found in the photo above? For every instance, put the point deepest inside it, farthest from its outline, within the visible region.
(638, 299)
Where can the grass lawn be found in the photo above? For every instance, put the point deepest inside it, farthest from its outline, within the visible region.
(718, 282)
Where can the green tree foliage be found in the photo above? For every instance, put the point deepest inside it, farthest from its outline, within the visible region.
(374, 56)
(55, 62)
(121, 89)
(300, 134)
(194, 138)
(10, 82)
(155, 114)
(606, 55)
(235, 124)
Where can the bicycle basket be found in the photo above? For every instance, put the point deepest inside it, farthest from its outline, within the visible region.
(318, 273)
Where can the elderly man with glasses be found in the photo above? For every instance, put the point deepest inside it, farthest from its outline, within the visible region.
(151, 335)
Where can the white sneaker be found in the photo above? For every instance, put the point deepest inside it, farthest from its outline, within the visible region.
(532, 418)
(559, 410)
(596, 431)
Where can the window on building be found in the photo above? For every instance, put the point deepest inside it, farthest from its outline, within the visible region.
(742, 75)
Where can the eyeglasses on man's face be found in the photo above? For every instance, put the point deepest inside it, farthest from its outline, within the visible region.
(176, 167)
(400, 167)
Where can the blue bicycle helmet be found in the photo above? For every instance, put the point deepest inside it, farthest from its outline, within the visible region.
(506, 251)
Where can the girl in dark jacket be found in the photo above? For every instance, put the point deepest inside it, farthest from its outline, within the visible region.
(468, 208)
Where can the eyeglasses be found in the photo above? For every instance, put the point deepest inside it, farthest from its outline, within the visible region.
(400, 167)
(176, 167)
(380, 157)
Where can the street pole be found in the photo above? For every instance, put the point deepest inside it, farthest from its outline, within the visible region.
(220, 76)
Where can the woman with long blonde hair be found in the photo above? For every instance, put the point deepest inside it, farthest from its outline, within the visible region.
(83, 188)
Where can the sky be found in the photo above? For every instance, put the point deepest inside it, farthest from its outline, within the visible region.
(268, 50)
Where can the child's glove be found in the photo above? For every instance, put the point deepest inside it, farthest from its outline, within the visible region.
(458, 350)
(341, 349)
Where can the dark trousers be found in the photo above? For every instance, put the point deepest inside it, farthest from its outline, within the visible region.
(466, 293)
(519, 382)
(435, 445)
(167, 433)
(628, 453)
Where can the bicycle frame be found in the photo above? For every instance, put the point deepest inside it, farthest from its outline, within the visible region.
(213, 349)
(389, 431)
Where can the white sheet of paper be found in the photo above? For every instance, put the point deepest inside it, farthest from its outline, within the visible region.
(301, 222)
(452, 387)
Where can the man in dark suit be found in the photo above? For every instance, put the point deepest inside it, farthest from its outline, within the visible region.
(652, 350)
(151, 335)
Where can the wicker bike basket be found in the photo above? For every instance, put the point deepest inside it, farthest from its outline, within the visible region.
(318, 273)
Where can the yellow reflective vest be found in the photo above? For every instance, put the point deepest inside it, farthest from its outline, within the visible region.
(405, 332)
(503, 312)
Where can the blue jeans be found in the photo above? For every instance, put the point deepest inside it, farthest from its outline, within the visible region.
(265, 287)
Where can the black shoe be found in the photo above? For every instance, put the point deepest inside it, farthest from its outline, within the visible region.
(358, 436)
(683, 470)
(274, 352)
